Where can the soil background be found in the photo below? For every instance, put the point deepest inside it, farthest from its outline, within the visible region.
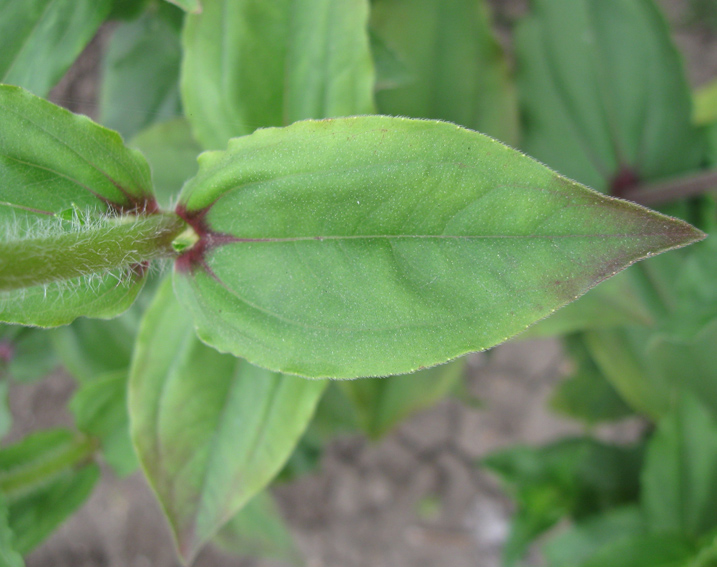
(414, 499)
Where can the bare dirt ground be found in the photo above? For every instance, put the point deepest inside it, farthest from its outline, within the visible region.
(415, 499)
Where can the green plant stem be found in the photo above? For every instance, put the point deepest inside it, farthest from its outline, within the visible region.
(26, 479)
(668, 191)
(115, 243)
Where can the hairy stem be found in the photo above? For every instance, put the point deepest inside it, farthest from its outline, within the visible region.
(115, 243)
(674, 189)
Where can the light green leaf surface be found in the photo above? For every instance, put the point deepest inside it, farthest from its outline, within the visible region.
(64, 180)
(259, 531)
(679, 485)
(652, 550)
(172, 153)
(382, 403)
(100, 410)
(576, 545)
(191, 6)
(140, 79)
(460, 72)
(45, 478)
(705, 104)
(211, 431)
(373, 246)
(249, 64)
(40, 39)
(586, 394)
(8, 556)
(602, 91)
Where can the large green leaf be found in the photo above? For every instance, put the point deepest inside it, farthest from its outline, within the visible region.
(459, 71)
(372, 246)
(256, 63)
(259, 531)
(603, 92)
(44, 478)
(75, 205)
(172, 153)
(382, 403)
(140, 82)
(211, 431)
(578, 478)
(40, 39)
(679, 486)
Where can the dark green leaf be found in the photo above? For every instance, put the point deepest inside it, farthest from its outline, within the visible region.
(391, 72)
(587, 395)
(45, 478)
(373, 245)
(211, 431)
(100, 410)
(8, 556)
(459, 70)
(603, 93)
(127, 9)
(40, 39)
(574, 546)
(679, 487)
(382, 403)
(172, 153)
(141, 74)
(574, 477)
(65, 181)
(259, 531)
(653, 550)
(255, 63)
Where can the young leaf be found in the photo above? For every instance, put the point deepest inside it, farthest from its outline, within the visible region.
(255, 63)
(603, 93)
(140, 82)
(679, 485)
(259, 531)
(460, 72)
(100, 410)
(211, 431)
(44, 478)
(372, 246)
(75, 205)
(40, 39)
(381, 403)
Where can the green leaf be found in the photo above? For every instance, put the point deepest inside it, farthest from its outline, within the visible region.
(211, 431)
(391, 72)
(100, 410)
(583, 540)
(5, 414)
(75, 206)
(603, 93)
(587, 395)
(127, 9)
(9, 557)
(653, 550)
(679, 486)
(40, 39)
(373, 246)
(574, 477)
(172, 153)
(140, 82)
(459, 69)
(705, 104)
(382, 403)
(45, 478)
(191, 6)
(255, 63)
(259, 531)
